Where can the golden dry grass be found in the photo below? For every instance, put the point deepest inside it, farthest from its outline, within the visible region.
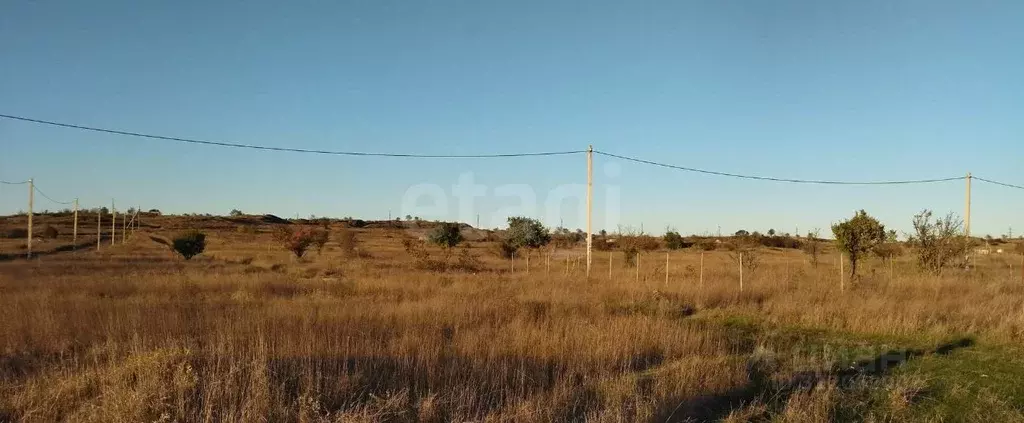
(247, 333)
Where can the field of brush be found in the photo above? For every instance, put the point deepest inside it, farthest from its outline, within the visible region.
(245, 332)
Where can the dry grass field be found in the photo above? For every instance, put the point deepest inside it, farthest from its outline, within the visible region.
(247, 333)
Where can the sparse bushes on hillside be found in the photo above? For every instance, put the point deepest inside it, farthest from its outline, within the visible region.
(189, 243)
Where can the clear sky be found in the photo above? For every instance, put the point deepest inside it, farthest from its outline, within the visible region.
(858, 90)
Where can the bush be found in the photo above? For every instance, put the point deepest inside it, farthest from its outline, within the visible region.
(505, 249)
(50, 232)
(346, 241)
(357, 223)
(320, 238)
(674, 241)
(446, 235)
(298, 241)
(235, 213)
(939, 244)
(189, 244)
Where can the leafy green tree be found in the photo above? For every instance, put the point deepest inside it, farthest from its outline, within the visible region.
(524, 232)
(858, 236)
(771, 232)
(742, 232)
(235, 213)
(189, 243)
(446, 234)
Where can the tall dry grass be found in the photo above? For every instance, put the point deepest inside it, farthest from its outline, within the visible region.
(247, 333)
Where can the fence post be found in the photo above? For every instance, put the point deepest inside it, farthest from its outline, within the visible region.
(99, 227)
(701, 270)
(513, 262)
(527, 262)
(666, 269)
(842, 274)
(124, 228)
(31, 195)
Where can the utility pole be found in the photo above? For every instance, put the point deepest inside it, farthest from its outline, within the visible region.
(124, 227)
(113, 222)
(967, 212)
(590, 204)
(99, 227)
(31, 199)
(74, 236)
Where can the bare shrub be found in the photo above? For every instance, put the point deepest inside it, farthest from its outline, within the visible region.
(939, 244)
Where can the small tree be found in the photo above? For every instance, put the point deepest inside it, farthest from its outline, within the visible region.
(858, 236)
(189, 243)
(235, 213)
(526, 232)
(939, 244)
(771, 232)
(320, 238)
(742, 232)
(446, 234)
(812, 247)
(298, 241)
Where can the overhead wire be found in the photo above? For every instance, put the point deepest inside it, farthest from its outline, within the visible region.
(287, 149)
(998, 183)
(775, 179)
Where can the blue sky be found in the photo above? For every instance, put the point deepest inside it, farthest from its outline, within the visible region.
(870, 90)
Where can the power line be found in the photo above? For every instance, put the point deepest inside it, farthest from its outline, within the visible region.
(51, 199)
(769, 178)
(286, 149)
(13, 183)
(998, 183)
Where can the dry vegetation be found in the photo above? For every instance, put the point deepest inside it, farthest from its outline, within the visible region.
(360, 333)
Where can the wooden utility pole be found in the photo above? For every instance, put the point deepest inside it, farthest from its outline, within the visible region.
(31, 199)
(99, 227)
(124, 228)
(967, 207)
(113, 222)
(74, 233)
(590, 204)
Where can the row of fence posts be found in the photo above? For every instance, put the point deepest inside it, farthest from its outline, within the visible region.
(571, 264)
